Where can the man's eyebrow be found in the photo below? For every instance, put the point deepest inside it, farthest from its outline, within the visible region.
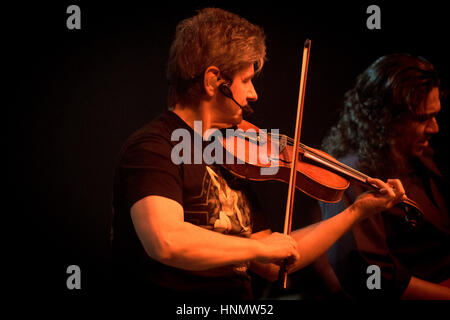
(425, 116)
(431, 114)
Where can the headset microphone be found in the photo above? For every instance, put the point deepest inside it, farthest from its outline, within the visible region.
(224, 88)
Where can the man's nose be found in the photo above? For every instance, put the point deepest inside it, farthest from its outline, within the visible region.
(252, 95)
(432, 126)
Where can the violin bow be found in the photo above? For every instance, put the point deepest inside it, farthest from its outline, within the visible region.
(298, 128)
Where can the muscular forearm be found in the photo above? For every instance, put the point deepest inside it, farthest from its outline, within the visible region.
(165, 236)
(419, 289)
(194, 248)
(314, 240)
(160, 226)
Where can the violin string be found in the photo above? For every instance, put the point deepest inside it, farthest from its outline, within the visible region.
(328, 161)
(277, 135)
(331, 163)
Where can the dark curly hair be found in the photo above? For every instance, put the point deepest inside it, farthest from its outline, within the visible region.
(389, 90)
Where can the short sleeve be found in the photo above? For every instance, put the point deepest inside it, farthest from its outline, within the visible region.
(146, 169)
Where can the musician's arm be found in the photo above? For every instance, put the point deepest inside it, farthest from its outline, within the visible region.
(419, 289)
(445, 283)
(312, 241)
(167, 238)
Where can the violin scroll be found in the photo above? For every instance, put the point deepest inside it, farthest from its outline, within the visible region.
(413, 213)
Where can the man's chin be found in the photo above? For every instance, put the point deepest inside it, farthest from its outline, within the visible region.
(418, 151)
(239, 118)
(236, 119)
(230, 122)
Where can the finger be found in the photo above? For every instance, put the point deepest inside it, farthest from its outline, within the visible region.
(293, 242)
(292, 246)
(296, 255)
(377, 182)
(396, 184)
(398, 188)
(384, 188)
(292, 261)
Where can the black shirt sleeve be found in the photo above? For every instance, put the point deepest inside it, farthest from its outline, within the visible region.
(146, 169)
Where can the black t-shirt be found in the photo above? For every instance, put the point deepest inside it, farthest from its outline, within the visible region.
(387, 241)
(211, 198)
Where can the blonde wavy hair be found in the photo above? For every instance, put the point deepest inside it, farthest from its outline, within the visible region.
(213, 37)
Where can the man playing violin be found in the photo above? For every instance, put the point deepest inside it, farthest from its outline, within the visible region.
(194, 230)
(384, 130)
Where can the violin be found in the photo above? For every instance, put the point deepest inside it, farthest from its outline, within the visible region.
(319, 175)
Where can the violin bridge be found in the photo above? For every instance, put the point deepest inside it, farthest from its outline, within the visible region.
(282, 143)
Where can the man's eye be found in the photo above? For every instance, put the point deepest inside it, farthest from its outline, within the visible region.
(422, 117)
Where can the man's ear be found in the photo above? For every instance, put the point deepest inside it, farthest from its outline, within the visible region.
(210, 80)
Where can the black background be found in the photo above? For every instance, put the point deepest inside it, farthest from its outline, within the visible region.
(77, 95)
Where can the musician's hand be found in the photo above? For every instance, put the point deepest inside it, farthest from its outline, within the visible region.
(371, 202)
(276, 247)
